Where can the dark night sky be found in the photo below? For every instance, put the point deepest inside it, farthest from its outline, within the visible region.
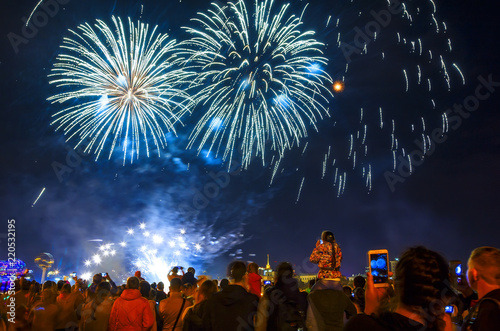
(449, 203)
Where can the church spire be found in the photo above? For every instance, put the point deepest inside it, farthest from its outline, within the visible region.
(268, 266)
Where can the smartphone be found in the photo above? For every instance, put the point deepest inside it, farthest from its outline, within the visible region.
(456, 272)
(104, 274)
(448, 309)
(378, 261)
(267, 282)
(73, 274)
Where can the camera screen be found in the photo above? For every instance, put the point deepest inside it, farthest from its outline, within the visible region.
(458, 269)
(267, 282)
(379, 268)
(448, 309)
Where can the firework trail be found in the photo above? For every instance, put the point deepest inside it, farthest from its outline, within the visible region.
(263, 81)
(122, 88)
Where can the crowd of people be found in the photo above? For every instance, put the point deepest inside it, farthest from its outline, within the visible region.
(417, 299)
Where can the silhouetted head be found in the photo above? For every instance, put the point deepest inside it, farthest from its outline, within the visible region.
(359, 281)
(284, 272)
(207, 289)
(238, 269)
(224, 283)
(133, 283)
(175, 285)
(327, 236)
(144, 288)
(422, 280)
(253, 267)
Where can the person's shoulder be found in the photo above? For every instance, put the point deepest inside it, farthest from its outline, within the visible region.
(363, 322)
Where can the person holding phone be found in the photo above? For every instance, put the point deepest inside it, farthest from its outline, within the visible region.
(422, 287)
(328, 256)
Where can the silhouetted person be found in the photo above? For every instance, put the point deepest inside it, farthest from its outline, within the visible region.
(131, 311)
(483, 275)
(233, 308)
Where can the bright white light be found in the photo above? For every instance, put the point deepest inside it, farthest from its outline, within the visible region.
(142, 226)
(157, 239)
(123, 244)
(314, 68)
(197, 247)
(216, 124)
(146, 234)
(86, 276)
(87, 263)
(171, 243)
(183, 231)
(97, 259)
(122, 80)
(177, 253)
(130, 231)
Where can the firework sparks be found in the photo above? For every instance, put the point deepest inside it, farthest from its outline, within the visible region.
(126, 87)
(36, 200)
(262, 80)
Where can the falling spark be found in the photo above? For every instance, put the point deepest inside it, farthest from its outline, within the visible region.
(34, 203)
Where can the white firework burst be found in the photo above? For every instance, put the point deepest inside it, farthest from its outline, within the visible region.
(262, 77)
(122, 87)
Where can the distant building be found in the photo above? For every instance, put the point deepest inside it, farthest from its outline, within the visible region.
(267, 273)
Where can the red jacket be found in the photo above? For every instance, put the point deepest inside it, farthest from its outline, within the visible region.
(131, 312)
(254, 283)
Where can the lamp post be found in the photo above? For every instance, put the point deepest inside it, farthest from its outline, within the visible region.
(44, 261)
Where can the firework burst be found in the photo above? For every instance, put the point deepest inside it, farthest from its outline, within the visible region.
(124, 88)
(263, 82)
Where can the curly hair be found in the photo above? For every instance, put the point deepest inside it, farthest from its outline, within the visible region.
(422, 280)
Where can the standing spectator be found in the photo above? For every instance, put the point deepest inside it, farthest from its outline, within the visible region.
(96, 313)
(43, 316)
(160, 293)
(233, 308)
(310, 284)
(138, 275)
(283, 306)
(98, 278)
(188, 291)
(70, 303)
(131, 311)
(327, 304)
(34, 295)
(193, 316)
(173, 273)
(224, 283)
(359, 293)
(422, 282)
(483, 275)
(146, 293)
(189, 278)
(23, 293)
(327, 255)
(172, 307)
(254, 279)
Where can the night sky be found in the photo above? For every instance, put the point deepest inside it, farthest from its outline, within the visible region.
(449, 203)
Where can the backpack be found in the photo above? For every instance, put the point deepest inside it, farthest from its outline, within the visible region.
(472, 317)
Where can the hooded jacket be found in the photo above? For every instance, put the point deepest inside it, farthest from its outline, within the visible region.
(231, 309)
(131, 312)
